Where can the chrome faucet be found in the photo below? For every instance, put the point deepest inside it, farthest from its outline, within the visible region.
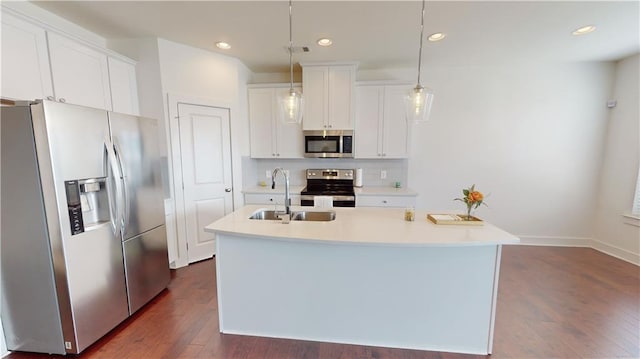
(287, 197)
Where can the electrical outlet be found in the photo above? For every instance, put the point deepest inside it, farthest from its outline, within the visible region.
(268, 174)
(383, 174)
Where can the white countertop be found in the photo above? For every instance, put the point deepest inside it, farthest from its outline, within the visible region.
(362, 225)
(360, 191)
(267, 189)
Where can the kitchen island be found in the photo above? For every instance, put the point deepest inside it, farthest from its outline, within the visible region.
(368, 277)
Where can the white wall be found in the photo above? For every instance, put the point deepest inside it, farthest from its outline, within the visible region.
(620, 167)
(188, 72)
(530, 137)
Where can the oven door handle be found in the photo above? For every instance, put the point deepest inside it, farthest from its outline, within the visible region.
(335, 198)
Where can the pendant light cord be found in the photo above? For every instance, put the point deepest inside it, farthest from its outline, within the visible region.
(421, 36)
(291, 47)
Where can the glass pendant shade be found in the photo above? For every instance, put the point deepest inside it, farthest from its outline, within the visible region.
(418, 104)
(292, 103)
(291, 106)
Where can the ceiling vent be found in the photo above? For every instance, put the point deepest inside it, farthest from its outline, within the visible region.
(298, 49)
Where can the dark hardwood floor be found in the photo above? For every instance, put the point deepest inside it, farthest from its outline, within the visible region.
(553, 302)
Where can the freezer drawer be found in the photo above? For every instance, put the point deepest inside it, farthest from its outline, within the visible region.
(146, 266)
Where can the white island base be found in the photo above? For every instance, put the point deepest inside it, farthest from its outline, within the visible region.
(430, 298)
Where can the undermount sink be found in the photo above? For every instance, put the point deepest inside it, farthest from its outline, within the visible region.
(265, 214)
(313, 216)
(271, 215)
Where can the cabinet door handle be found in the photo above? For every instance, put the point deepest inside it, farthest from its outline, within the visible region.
(277, 154)
(62, 100)
(227, 190)
(273, 155)
(384, 201)
(50, 98)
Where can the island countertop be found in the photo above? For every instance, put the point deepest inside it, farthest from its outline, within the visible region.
(362, 225)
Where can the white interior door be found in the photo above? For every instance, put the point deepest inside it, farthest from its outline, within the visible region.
(205, 147)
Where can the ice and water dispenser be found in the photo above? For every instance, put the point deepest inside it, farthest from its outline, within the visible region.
(87, 202)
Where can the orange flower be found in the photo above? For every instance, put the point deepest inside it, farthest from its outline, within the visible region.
(472, 198)
(476, 196)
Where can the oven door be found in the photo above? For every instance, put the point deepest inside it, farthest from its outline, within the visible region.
(338, 201)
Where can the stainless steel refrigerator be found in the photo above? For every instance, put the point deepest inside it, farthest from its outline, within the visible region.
(83, 241)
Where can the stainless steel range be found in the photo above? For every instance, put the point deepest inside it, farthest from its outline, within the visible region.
(337, 183)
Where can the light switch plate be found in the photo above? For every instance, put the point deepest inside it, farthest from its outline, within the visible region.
(383, 174)
(268, 174)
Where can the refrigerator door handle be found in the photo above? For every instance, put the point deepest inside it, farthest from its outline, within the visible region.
(125, 191)
(115, 206)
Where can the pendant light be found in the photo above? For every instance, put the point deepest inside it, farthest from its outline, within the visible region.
(292, 103)
(418, 100)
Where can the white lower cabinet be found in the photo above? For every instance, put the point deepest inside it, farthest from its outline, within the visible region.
(25, 62)
(270, 137)
(256, 198)
(382, 131)
(385, 201)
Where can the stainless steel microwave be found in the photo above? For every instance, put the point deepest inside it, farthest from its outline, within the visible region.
(328, 144)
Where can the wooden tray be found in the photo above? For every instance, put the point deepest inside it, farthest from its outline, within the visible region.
(448, 218)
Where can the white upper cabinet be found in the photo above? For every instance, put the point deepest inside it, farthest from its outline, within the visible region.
(270, 137)
(381, 128)
(80, 74)
(395, 128)
(329, 96)
(369, 112)
(25, 62)
(124, 88)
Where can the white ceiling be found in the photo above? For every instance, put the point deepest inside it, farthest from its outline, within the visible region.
(377, 34)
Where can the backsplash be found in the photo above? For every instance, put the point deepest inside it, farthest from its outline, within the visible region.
(254, 170)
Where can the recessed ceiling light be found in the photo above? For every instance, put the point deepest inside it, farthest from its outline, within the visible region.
(223, 45)
(437, 36)
(584, 30)
(325, 42)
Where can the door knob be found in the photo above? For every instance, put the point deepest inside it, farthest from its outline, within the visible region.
(227, 189)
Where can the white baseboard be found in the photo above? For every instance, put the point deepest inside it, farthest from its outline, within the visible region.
(625, 255)
(555, 241)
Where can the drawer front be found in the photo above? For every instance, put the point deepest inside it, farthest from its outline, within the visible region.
(385, 201)
(252, 198)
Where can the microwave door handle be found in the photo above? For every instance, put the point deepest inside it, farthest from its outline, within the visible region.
(124, 205)
(113, 178)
